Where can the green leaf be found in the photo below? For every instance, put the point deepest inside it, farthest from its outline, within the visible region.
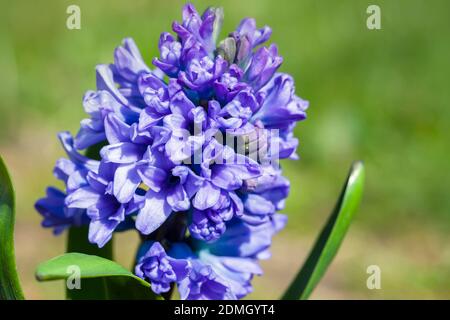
(330, 238)
(77, 241)
(10, 288)
(114, 277)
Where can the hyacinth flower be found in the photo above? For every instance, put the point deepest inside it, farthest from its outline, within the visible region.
(187, 155)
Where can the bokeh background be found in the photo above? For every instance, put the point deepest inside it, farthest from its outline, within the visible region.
(380, 96)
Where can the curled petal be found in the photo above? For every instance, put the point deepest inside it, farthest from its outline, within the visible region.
(123, 152)
(207, 196)
(154, 212)
(82, 198)
(178, 199)
(116, 130)
(126, 181)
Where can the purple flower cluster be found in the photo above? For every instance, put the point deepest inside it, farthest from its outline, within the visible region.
(205, 208)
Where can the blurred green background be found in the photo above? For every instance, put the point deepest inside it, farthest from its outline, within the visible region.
(381, 96)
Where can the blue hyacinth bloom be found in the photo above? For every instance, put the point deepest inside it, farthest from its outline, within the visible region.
(189, 156)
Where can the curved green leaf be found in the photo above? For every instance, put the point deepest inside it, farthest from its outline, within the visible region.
(10, 288)
(330, 238)
(77, 241)
(114, 276)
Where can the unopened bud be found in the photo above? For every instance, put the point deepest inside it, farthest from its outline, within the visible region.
(227, 49)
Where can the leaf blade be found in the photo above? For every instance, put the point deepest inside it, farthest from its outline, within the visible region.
(114, 276)
(10, 288)
(330, 238)
(90, 265)
(77, 241)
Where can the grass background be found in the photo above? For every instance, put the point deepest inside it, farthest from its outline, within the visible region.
(379, 96)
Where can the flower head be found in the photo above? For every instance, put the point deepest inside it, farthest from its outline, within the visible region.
(188, 158)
